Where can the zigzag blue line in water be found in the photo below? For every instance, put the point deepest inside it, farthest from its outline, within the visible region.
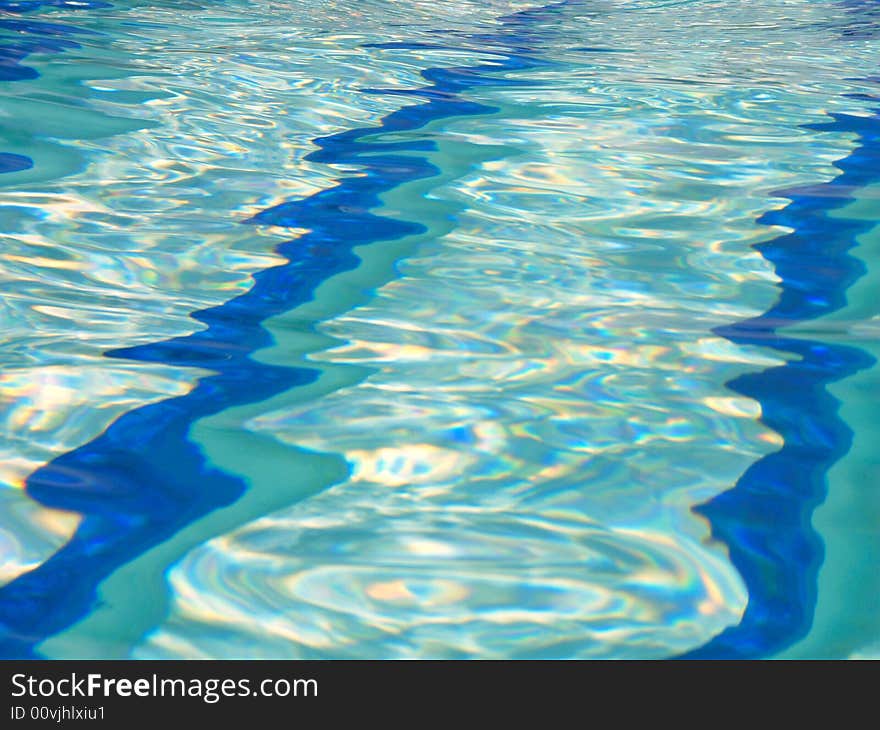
(142, 480)
(31, 36)
(765, 519)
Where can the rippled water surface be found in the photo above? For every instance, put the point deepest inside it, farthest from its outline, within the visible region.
(439, 329)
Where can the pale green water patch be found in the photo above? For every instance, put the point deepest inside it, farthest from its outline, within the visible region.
(278, 475)
(847, 617)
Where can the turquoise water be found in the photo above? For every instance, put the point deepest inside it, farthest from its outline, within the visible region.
(564, 344)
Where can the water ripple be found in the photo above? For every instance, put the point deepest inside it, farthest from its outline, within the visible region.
(509, 416)
(541, 397)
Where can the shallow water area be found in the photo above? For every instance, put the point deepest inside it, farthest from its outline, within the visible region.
(438, 330)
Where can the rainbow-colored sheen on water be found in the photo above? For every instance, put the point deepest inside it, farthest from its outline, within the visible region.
(448, 329)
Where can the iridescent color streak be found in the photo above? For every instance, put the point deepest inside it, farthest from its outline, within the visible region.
(142, 480)
(765, 521)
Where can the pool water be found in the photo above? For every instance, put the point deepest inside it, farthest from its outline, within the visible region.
(472, 329)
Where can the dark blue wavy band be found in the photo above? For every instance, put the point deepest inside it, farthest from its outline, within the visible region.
(26, 36)
(142, 480)
(765, 520)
